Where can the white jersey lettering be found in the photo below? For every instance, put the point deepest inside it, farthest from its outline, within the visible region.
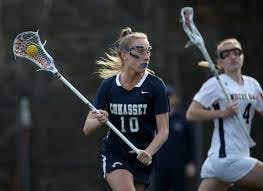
(128, 109)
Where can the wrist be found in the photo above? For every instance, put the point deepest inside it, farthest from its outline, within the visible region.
(149, 152)
(220, 113)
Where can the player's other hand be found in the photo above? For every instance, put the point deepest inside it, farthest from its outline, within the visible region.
(100, 115)
(144, 157)
(230, 110)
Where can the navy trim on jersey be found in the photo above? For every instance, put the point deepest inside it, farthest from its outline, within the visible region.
(222, 150)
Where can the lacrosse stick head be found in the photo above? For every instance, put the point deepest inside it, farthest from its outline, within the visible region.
(187, 15)
(28, 45)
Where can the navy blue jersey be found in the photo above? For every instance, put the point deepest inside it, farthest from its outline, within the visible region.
(132, 112)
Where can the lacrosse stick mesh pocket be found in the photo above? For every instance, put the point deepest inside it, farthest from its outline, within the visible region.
(41, 58)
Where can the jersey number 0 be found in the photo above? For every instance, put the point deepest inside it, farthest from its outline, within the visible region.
(133, 124)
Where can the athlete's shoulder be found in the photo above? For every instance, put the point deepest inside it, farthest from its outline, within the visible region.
(213, 80)
(252, 82)
(108, 81)
(155, 79)
(210, 82)
(249, 79)
(154, 84)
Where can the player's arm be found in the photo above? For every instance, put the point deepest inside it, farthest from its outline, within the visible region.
(196, 112)
(161, 105)
(162, 122)
(145, 156)
(95, 119)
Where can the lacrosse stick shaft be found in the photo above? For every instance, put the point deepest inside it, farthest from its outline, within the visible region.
(197, 39)
(72, 88)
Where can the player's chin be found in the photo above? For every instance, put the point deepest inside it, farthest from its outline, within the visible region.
(141, 70)
(235, 67)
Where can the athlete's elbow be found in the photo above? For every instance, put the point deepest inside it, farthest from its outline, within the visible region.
(85, 130)
(89, 125)
(165, 134)
(190, 115)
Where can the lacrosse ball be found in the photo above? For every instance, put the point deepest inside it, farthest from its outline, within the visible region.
(32, 50)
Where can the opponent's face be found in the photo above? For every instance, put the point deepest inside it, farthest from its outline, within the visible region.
(230, 57)
(137, 56)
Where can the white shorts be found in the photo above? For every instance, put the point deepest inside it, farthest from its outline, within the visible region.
(229, 169)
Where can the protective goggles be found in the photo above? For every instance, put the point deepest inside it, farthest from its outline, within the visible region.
(137, 51)
(226, 53)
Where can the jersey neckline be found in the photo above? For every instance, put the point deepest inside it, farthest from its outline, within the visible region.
(240, 85)
(139, 84)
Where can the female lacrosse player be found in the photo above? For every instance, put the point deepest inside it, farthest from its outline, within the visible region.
(135, 101)
(229, 158)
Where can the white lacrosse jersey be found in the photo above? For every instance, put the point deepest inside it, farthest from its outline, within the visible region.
(228, 137)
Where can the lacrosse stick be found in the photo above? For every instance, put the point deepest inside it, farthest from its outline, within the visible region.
(28, 45)
(195, 37)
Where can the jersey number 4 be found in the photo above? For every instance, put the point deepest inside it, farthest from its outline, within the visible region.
(246, 113)
(133, 124)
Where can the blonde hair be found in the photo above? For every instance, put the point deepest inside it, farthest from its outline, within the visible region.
(226, 41)
(112, 63)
